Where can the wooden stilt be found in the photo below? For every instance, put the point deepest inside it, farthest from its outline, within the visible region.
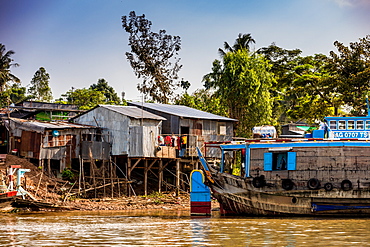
(92, 167)
(83, 176)
(146, 177)
(79, 175)
(177, 177)
(111, 178)
(128, 172)
(160, 176)
(103, 171)
(49, 168)
(118, 182)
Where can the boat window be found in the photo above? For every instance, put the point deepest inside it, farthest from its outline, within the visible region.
(367, 124)
(350, 124)
(341, 125)
(234, 162)
(333, 125)
(360, 124)
(277, 161)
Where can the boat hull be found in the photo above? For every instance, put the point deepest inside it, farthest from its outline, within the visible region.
(6, 201)
(248, 201)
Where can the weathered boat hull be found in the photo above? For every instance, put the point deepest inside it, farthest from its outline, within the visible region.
(6, 201)
(250, 201)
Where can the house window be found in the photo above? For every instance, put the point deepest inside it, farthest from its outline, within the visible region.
(198, 129)
(221, 129)
(278, 161)
(87, 137)
(57, 141)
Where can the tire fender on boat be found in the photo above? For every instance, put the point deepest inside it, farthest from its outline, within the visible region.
(287, 184)
(346, 185)
(328, 186)
(259, 182)
(313, 184)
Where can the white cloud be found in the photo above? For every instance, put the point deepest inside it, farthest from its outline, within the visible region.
(352, 3)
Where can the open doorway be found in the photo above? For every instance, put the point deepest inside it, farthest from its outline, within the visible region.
(184, 135)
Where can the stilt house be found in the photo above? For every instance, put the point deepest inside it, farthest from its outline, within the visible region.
(195, 125)
(134, 131)
(56, 145)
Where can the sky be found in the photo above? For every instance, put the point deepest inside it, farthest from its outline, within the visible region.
(81, 41)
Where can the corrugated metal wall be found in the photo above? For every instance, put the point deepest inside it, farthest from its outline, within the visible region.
(143, 141)
(128, 136)
(95, 150)
(116, 124)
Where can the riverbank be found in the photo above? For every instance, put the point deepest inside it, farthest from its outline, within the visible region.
(50, 194)
(161, 201)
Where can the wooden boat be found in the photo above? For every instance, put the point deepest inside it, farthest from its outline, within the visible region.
(298, 177)
(6, 200)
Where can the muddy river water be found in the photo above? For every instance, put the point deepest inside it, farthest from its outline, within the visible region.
(176, 228)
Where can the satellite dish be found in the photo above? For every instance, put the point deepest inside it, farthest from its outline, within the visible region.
(55, 133)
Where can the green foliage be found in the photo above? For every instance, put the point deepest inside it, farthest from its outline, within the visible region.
(204, 100)
(242, 82)
(17, 93)
(40, 89)
(45, 116)
(300, 91)
(155, 194)
(242, 42)
(67, 174)
(84, 98)
(13, 94)
(6, 62)
(349, 72)
(110, 94)
(308, 95)
(153, 58)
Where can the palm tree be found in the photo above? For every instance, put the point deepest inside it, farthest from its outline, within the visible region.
(5, 65)
(242, 42)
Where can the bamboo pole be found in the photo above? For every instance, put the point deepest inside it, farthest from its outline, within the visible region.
(42, 172)
(83, 177)
(103, 168)
(177, 177)
(146, 177)
(111, 178)
(79, 175)
(128, 175)
(92, 166)
(160, 176)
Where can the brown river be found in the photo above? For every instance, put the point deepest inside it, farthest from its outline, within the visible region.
(177, 228)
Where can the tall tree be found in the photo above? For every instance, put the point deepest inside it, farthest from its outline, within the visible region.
(85, 98)
(6, 62)
(110, 94)
(204, 100)
(242, 42)
(40, 89)
(17, 93)
(308, 95)
(153, 58)
(350, 73)
(242, 82)
(283, 62)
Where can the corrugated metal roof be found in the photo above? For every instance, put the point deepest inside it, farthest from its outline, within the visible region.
(133, 111)
(182, 111)
(33, 124)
